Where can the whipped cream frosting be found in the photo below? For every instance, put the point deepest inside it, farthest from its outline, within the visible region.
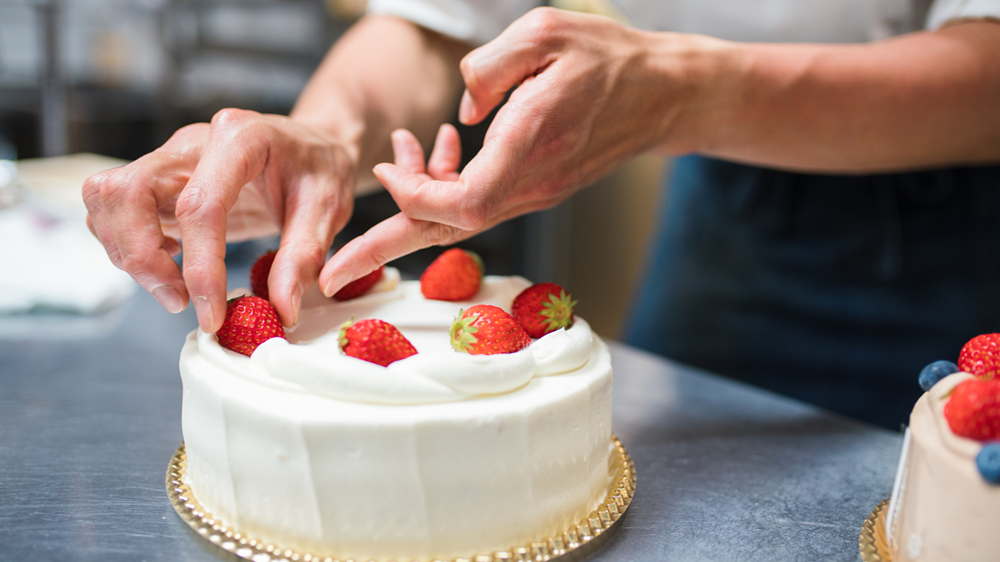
(311, 360)
(439, 455)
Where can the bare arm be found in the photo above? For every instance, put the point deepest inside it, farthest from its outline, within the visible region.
(592, 94)
(921, 100)
(384, 74)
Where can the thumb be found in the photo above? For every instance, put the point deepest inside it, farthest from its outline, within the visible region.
(496, 67)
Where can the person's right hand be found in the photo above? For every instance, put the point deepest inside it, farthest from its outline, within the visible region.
(244, 175)
(590, 94)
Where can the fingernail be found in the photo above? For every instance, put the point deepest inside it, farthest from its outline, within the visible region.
(203, 309)
(169, 298)
(296, 301)
(336, 282)
(465, 108)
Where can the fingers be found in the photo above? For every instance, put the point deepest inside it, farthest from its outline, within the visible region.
(394, 237)
(398, 236)
(125, 220)
(421, 198)
(316, 208)
(496, 67)
(447, 154)
(123, 214)
(236, 153)
(407, 151)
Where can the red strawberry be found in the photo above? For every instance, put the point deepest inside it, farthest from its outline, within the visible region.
(973, 410)
(543, 308)
(259, 272)
(250, 321)
(358, 287)
(374, 341)
(485, 330)
(981, 356)
(454, 276)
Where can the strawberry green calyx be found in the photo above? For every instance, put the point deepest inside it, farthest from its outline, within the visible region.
(461, 333)
(342, 339)
(543, 308)
(558, 311)
(484, 329)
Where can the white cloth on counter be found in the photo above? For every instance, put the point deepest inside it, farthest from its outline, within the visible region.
(48, 263)
(49, 260)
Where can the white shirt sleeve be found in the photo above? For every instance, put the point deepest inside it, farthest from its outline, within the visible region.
(472, 21)
(944, 11)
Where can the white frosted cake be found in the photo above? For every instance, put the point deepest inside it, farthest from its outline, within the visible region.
(438, 455)
(941, 508)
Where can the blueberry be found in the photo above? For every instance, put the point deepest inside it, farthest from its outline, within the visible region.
(935, 372)
(988, 462)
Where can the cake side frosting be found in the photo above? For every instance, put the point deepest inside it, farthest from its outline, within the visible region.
(946, 510)
(495, 460)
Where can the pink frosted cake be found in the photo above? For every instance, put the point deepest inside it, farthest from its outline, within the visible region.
(945, 504)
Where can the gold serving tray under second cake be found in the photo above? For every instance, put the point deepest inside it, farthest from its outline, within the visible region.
(873, 542)
(572, 544)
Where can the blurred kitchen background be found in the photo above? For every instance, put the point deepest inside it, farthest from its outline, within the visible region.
(117, 77)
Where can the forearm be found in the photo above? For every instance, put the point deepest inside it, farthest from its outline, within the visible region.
(384, 74)
(920, 100)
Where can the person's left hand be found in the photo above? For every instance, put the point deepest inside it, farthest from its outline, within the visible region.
(590, 94)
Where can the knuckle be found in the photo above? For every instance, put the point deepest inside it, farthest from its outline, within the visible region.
(115, 255)
(376, 259)
(439, 234)
(232, 123)
(474, 214)
(543, 21)
(136, 263)
(188, 132)
(312, 253)
(196, 270)
(92, 186)
(229, 117)
(192, 206)
(467, 67)
(112, 189)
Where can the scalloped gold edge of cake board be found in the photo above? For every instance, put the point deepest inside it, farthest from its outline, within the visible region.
(873, 543)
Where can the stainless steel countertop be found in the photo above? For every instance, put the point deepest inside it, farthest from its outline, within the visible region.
(90, 416)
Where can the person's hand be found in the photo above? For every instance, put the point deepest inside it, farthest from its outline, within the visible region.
(441, 169)
(590, 95)
(242, 176)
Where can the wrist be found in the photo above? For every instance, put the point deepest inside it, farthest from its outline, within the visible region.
(702, 89)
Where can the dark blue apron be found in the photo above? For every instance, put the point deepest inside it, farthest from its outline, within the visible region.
(833, 289)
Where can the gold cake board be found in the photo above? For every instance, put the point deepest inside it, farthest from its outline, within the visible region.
(873, 542)
(574, 543)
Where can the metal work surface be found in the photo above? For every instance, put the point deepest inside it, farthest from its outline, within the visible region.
(90, 416)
